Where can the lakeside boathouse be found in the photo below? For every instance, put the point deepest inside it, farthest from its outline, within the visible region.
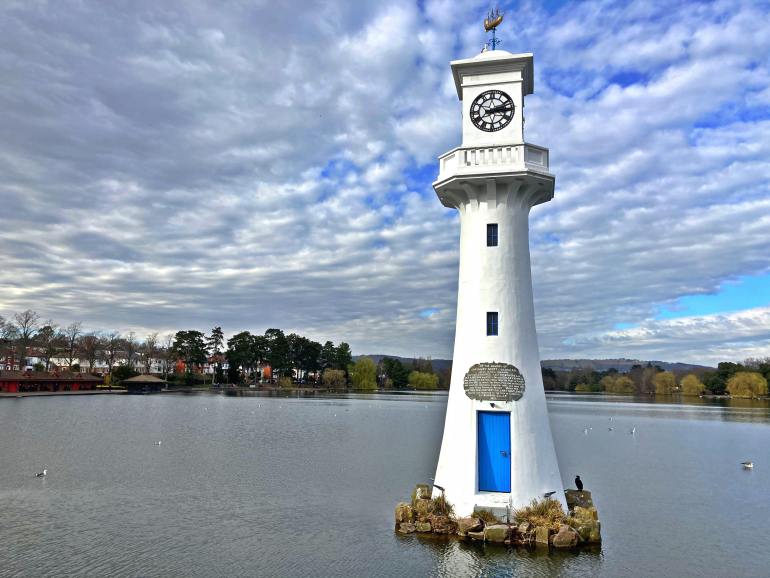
(41, 381)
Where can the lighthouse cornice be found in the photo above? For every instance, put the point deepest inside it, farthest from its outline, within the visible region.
(521, 190)
(467, 70)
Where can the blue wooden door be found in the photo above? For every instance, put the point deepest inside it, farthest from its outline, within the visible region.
(494, 453)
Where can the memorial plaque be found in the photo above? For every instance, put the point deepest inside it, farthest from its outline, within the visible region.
(494, 382)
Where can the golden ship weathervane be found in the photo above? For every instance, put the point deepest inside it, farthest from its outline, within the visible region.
(491, 22)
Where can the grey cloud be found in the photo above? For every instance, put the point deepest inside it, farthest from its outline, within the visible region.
(167, 166)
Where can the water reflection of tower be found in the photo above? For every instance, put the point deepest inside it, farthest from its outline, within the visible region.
(497, 449)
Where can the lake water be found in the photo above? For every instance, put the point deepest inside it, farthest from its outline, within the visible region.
(268, 486)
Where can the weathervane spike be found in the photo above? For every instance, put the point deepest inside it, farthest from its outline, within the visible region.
(491, 22)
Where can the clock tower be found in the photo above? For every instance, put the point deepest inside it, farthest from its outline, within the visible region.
(497, 451)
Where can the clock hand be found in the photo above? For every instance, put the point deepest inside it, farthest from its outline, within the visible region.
(501, 108)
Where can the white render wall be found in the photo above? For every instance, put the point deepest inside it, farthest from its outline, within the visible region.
(496, 178)
(493, 70)
(497, 279)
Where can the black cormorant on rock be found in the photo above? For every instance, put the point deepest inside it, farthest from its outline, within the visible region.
(578, 483)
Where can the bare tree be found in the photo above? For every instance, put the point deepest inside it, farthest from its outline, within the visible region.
(111, 349)
(89, 345)
(7, 338)
(26, 323)
(150, 350)
(131, 347)
(70, 336)
(167, 354)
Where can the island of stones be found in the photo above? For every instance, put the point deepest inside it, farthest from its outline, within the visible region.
(497, 478)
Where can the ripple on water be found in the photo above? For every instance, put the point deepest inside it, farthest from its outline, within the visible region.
(272, 486)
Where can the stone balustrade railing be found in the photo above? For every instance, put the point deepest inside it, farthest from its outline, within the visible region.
(496, 159)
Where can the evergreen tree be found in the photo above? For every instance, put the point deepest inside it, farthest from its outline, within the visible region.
(343, 357)
(396, 372)
(190, 346)
(214, 344)
(277, 351)
(239, 354)
(328, 356)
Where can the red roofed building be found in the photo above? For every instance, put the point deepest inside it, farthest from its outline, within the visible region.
(36, 381)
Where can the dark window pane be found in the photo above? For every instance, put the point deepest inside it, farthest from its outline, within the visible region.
(491, 322)
(492, 235)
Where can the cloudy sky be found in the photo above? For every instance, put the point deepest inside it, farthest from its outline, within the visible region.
(184, 164)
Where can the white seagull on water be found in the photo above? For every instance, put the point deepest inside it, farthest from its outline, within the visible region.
(42, 474)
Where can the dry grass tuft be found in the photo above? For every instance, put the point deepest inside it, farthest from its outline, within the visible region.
(546, 513)
(486, 516)
(442, 507)
(572, 522)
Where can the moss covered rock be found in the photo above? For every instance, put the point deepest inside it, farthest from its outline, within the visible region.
(422, 507)
(421, 492)
(442, 524)
(566, 537)
(585, 520)
(541, 535)
(585, 513)
(496, 533)
(578, 498)
(469, 524)
(590, 531)
(424, 527)
(406, 528)
(404, 513)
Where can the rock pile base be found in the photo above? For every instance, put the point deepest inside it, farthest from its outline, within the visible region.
(424, 515)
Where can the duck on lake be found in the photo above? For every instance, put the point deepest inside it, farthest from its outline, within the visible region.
(42, 474)
(747, 465)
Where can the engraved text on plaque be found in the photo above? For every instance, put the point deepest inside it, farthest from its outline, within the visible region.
(494, 382)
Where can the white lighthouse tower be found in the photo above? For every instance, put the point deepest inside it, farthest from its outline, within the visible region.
(497, 451)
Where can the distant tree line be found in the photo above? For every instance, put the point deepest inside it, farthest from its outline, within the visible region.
(389, 373)
(415, 374)
(747, 379)
(294, 358)
(289, 356)
(25, 336)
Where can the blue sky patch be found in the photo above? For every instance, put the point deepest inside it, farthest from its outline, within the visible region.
(628, 77)
(745, 293)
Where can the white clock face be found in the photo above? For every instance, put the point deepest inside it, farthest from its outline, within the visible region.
(492, 110)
